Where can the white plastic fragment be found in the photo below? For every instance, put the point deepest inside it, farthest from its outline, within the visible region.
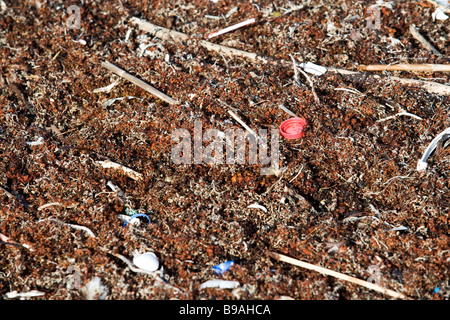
(95, 290)
(39, 141)
(129, 172)
(111, 101)
(221, 284)
(21, 295)
(146, 261)
(313, 68)
(400, 228)
(257, 206)
(127, 36)
(107, 88)
(74, 226)
(80, 41)
(231, 28)
(115, 188)
(422, 163)
(439, 14)
(3, 6)
(128, 219)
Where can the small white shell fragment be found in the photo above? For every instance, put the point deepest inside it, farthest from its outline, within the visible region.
(146, 261)
(221, 284)
(257, 206)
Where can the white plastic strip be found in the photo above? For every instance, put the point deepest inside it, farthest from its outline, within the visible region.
(422, 164)
(231, 28)
(313, 68)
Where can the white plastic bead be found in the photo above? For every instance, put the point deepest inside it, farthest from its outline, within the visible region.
(146, 261)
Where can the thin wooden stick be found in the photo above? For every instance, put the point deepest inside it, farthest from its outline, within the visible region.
(253, 133)
(431, 87)
(328, 272)
(406, 67)
(415, 33)
(168, 34)
(138, 82)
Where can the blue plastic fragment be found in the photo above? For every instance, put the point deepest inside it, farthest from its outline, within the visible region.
(437, 289)
(222, 267)
(136, 216)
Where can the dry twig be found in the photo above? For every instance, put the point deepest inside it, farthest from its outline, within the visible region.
(415, 33)
(167, 34)
(406, 67)
(302, 264)
(74, 226)
(138, 82)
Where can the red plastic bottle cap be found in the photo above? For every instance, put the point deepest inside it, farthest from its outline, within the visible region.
(293, 128)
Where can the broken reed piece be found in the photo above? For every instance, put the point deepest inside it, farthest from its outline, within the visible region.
(415, 33)
(138, 82)
(328, 272)
(168, 34)
(231, 28)
(431, 87)
(406, 67)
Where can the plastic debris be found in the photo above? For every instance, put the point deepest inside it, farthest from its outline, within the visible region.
(231, 28)
(22, 295)
(95, 290)
(115, 188)
(439, 14)
(221, 284)
(109, 102)
(130, 212)
(257, 206)
(38, 142)
(107, 89)
(223, 267)
(146, 261)
(422, 164)
(130, 219)
(313, 68)
(293, 128)
(400, 228)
